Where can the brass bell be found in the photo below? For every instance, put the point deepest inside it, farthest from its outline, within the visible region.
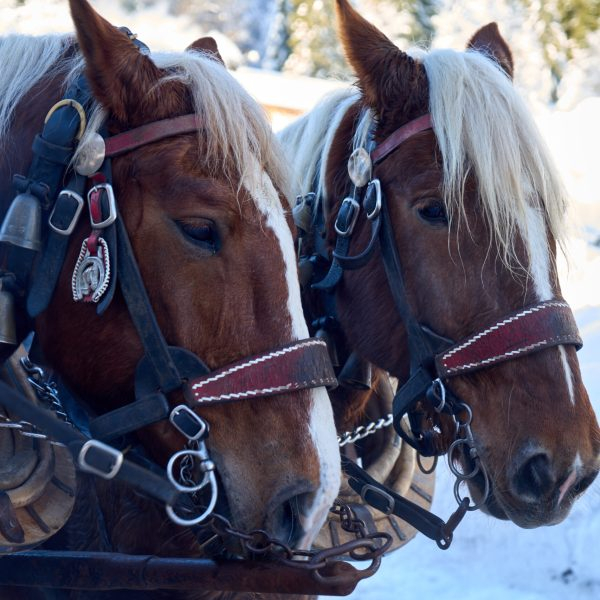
(356, 373)
(8, 333)
(22, 225)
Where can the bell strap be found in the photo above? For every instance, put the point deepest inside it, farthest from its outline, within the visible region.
(523, 332)
(301, 365)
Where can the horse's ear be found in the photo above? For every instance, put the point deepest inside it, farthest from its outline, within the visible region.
(386, 75)
(208, 45)
(121, 77)
(489, 41)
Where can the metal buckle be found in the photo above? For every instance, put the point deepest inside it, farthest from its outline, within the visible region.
(379, 492)
(193, 419)
(80, 202)
(107, 451)
(112, 205)
(354, 208)
(377, 209)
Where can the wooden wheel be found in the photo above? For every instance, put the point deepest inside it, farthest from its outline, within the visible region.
(37, 478)
(392, 462)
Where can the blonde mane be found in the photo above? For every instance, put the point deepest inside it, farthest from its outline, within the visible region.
(236, 134)
(482, 127)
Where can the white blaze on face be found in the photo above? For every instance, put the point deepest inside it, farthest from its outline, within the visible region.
(321, 427)
(539, 256)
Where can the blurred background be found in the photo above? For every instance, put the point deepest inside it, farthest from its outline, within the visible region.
(286, 54)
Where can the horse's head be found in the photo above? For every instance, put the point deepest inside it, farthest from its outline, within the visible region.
(477, 210)
(212, 239)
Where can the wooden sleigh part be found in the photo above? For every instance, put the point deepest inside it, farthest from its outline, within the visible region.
(37, 477)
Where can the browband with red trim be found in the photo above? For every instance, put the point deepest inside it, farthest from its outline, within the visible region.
(301, 365)
(152, 132)
(526, 331)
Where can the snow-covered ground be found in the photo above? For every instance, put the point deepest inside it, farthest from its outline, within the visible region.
(494, 560)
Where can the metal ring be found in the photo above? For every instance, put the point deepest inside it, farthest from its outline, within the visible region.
(462, 406)
(211, 506)
(423, 469)
(188, 489)
(458, 474)
(484, 497)
(73, 104)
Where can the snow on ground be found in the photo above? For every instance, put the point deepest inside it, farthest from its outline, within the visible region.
(495, 560)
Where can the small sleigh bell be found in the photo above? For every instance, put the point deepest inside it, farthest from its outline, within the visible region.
(8, 334)
(22, 225)
(356, 373)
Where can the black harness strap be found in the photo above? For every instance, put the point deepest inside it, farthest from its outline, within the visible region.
(388, 502)
(89, 454)
(142, 314)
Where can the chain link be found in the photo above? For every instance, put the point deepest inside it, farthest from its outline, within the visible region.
(366, 547)
(362, 431)
(45, 389)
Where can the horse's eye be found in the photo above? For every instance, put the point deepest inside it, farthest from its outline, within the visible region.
(201, 234)
(434, 213)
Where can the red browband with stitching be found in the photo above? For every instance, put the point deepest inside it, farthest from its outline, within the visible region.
(302, 365)
(526, 331)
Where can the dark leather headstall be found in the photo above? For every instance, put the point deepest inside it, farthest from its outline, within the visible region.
(434, 359)
(163, 369)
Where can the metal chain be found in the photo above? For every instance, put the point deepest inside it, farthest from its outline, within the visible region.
(362, 431)
(45, 389)
(469, 442)
(366, 546)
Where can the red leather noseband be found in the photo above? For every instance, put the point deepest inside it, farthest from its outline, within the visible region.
(526, 331)
(302, 365)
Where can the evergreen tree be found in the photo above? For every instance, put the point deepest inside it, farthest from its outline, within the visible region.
(564, 27)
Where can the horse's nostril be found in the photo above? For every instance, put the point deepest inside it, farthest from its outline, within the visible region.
(534, 479)
(284, 521)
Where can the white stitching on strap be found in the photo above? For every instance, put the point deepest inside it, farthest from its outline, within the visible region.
(498, 326)
(265, 391)
(509, 354)
(255, 361)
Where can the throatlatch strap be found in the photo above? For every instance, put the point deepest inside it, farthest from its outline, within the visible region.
(301, 365)
(526, 331)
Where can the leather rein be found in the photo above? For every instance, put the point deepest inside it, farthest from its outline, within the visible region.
(434, 359)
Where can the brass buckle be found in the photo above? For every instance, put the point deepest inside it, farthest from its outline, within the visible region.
(73, 104)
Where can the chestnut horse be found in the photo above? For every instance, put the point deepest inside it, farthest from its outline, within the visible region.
(205, 213)
(475, 209)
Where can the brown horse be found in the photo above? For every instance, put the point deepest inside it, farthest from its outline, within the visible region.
(476, 213)
(205, 213)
